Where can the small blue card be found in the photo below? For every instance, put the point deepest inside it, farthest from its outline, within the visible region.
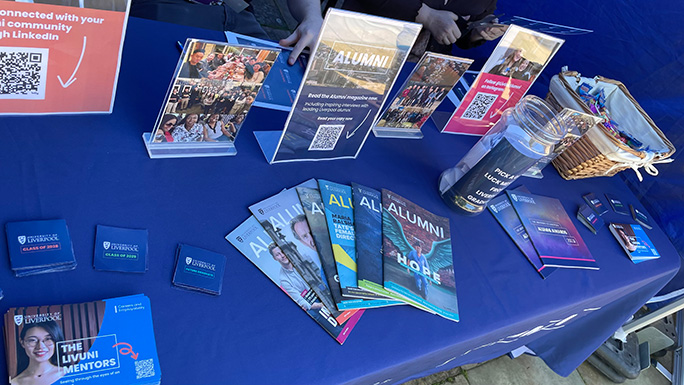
(199, 269)
(39, 246)
(119, 249)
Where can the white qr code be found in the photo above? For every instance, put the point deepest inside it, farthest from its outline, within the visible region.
(479, 106)
(326, 137)
(23, 73)
(144, 368)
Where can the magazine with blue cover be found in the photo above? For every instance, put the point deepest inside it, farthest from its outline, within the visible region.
(501, 209)
(418, 262)
(116, 346)
(199, 269)
(634, 241)
(39, 247)
(255, 244)
(552, 232)
(312, 204)
(350, 73)
(339, 212)
(119, 249)
(368, 231)
(283, 218)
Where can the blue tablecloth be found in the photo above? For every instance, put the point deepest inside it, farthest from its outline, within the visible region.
(94, 170)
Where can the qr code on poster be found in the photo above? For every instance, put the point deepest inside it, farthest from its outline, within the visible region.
(144, 368)
(23, 72)
(326, 137)
(479, 106)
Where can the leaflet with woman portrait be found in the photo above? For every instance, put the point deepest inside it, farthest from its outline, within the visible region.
(508, 74)
(102, 342)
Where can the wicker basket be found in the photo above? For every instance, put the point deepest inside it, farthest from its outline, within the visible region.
(585, 158)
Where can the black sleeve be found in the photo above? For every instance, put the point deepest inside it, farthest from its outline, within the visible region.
(406, 10)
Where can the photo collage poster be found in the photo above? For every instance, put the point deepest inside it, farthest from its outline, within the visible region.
(515, 64)
(425, 88)
(349, 75)
(213, 89)
(60, 56)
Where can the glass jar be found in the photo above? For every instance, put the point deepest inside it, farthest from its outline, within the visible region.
(524, 134)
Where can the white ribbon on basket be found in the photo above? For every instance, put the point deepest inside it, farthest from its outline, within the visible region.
(647, 164)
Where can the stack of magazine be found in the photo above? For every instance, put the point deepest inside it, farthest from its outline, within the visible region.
(100, 342)
(542, 230)
(37, 247)
(337, 250)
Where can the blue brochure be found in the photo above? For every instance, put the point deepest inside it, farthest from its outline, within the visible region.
(199, 269)
(505, 214)
(119, 249)
(39, 247)
(339, 212)
(116, 347)
(368, 230)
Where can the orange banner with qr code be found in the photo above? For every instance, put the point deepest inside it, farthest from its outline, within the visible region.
(60, 56)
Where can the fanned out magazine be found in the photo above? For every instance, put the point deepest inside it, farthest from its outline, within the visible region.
(553, 234)
(339, 211)
(255, 244)
(368, 228)
(102, 342)
(284, 220)
(314, 210)
(418, 259)
(501, 209)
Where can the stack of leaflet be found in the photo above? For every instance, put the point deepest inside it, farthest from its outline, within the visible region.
(116, 346)
(322, 243)
(199, 270)
(37, 247)
(634, 242)
(543, 231)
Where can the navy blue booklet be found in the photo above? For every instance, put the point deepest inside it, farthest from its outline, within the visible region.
(199, 269)
(119, 249)
(37, 247)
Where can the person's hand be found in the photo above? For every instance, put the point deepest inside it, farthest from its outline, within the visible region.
(317, 305)
(304, 36)
(441, 24)
(491, 31)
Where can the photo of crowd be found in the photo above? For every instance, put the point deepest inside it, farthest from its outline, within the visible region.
(212, 93)
(428, 85)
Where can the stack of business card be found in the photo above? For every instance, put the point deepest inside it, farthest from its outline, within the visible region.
(37, 247)
(640, 217)
(617, 204)
(595, 203)
(119, 249)
(589, 218)
(199, 269)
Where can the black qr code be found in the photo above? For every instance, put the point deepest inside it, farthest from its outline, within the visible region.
(23, 72)
(326, 137)
(480, 105)
(144, 368)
